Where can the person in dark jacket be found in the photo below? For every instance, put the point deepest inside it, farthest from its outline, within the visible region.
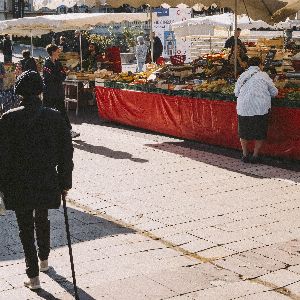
(7, 49)
(36, 158)
(157, 47)
(28, 63)
(63, 44)
(231, 41)
(54, 76)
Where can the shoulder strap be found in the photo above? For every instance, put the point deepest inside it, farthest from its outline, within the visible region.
(247, 79)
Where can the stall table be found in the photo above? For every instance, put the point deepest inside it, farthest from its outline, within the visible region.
(211, 121)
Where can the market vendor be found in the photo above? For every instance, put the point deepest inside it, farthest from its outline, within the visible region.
(2, 75)
(231, 41)
(93, 57)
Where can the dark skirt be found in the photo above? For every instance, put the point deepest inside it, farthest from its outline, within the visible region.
(253, 128)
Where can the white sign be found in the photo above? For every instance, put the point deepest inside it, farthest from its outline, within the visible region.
(162, 29)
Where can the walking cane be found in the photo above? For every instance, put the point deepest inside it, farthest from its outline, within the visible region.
(70, 245)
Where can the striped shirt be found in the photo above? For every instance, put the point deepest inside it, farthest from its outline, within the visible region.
(254, 96)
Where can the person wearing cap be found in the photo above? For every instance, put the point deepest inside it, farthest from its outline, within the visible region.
(54, 76)
(36, 158)
(141, 53)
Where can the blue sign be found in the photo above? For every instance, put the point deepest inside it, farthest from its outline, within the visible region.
(162, 12)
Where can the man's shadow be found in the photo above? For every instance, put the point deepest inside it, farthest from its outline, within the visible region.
(65, 284)
(81, 145)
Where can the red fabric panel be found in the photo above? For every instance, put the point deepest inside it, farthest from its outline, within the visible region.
(207, 121)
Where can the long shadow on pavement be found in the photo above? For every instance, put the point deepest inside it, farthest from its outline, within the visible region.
(65, 284)
(214, 155)
(81, 145)
(83, 227)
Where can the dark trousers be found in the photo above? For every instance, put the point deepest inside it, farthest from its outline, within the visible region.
(58, 105)
(27, 221)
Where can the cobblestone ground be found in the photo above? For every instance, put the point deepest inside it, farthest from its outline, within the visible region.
(155, 217)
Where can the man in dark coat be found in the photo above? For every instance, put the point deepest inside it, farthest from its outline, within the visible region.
(28, 63)
(54, 76)
(231, 41)
(157, 47)
(36, 155)
(7, 49)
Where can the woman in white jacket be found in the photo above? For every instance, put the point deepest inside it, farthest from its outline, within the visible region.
(141, 53)
(254, 90)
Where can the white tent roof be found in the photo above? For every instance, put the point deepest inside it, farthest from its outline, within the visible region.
(265, 10)
(43, 24)
(207, 25)
(223, 20)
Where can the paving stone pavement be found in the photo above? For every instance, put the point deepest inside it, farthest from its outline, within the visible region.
(155, 217)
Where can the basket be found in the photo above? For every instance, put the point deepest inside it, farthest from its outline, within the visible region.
(177, 60)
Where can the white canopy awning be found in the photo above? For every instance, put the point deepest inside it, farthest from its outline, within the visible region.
(256, 9)
(43, 24)
(224, 20)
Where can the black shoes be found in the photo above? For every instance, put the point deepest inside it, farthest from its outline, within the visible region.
(245, 159)
(251, 159)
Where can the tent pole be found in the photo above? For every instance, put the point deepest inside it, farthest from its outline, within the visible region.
(151, 33)
(80, 44)
(235, 39)
(31, 42)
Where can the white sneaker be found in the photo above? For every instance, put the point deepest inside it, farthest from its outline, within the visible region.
(33, 283)
(44, 267)
(74, 134)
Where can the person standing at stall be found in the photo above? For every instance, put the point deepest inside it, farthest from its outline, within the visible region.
(157, 47)
(7, 49)
(28, 63)
(231, 41)
(253, 90)
(2, 75)
(36, 158)
(54, 76)
(63, 44)
(141, 53)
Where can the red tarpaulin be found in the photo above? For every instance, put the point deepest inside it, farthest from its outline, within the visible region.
(208, 121)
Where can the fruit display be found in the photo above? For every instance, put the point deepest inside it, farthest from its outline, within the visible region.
(214, 86)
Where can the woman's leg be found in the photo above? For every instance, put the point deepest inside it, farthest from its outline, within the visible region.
(42, 229)
(244, 144)
(26, 232)
(257, 147)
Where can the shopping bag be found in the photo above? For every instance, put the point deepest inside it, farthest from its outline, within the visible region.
(2, 205)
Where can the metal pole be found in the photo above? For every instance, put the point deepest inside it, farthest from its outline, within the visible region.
(70, 245)
(151, 33)
(235, 38)
(31, 42)
(80, 44)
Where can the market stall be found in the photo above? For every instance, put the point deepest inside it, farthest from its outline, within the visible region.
(194, 116)
(196, 101)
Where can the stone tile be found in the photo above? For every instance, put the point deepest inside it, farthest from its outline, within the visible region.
(295, 269)
(281, 278)
(268, 295)
(228, 291)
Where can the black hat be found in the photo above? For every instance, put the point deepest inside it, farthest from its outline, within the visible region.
(29, 83)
